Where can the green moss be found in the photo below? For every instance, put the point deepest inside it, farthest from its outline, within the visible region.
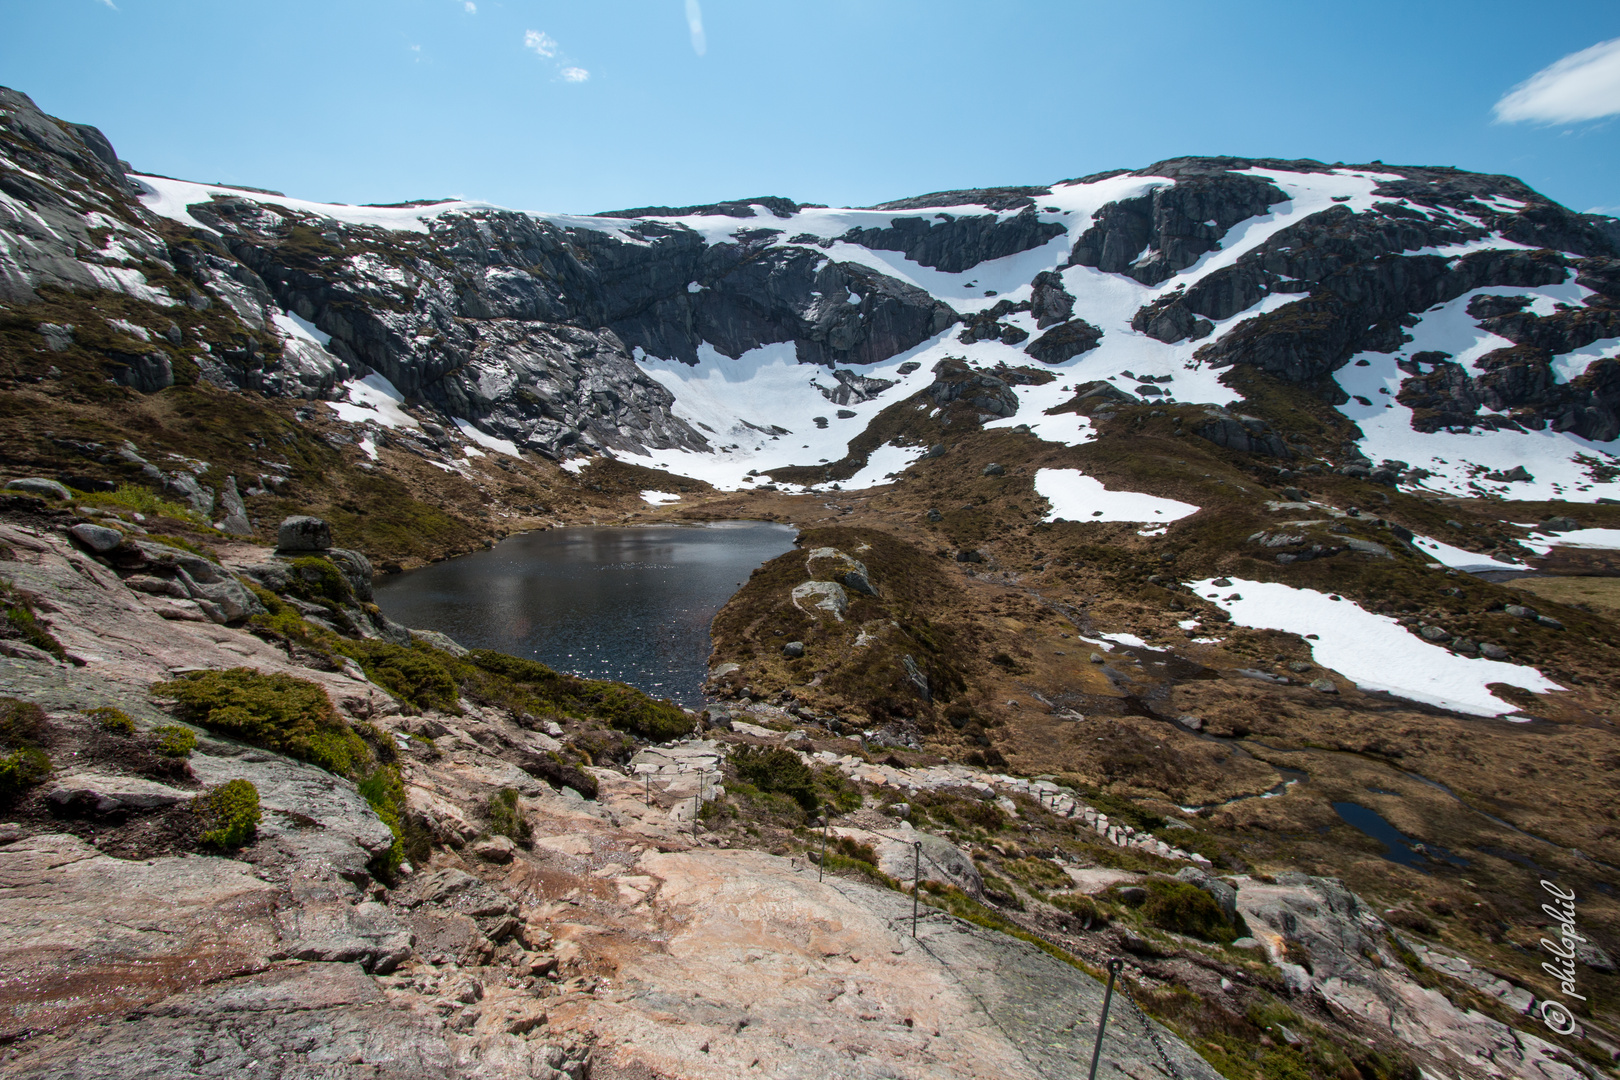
(143, 500)
(278, 712)
(112, 719)
(506, 817)
(411, 673)
(230, 814)
(175, 741)
(18, 610)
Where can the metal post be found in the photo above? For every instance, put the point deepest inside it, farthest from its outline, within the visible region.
(1114, 967)
(826, 822)
(697, 806)
(916, 881)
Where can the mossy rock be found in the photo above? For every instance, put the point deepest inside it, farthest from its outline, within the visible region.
(1184, 909)
(278, 712)
(385, 793)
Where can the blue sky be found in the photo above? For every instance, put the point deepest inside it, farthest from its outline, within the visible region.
(605, 104)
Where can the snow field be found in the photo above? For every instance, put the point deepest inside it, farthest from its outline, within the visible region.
(1600, 539)
(1374, 651)
(1460, 559)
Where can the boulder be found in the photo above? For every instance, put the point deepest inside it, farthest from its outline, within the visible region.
(38, 485)
(356, 570)
(830, 564)
(97, 538)
(93, 792)
(821, 598)
(339, 932)
(793, 649)
(302, 533)
(235, 521)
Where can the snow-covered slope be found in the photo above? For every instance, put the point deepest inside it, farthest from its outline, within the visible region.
(1468, 326)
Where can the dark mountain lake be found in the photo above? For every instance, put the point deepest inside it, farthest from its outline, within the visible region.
(631, 604)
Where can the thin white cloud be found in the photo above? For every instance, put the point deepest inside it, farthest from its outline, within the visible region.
(1582, 86)
(542, 43)
(110, 4)
(470, 8)
(694, 23)
(574, 74)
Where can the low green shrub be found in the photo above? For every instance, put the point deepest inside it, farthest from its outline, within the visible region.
(506, 817)
(22, 763)
(1185, 909)
(175, 741)
(412, 675)
(628, 709)
(385, 793)
(112, 719)
(21, 769)
(777, 769)
(277, 711)
(230, 814)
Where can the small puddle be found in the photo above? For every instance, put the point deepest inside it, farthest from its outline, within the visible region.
(1398, 848)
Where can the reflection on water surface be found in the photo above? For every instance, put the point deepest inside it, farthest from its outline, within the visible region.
(608, 603)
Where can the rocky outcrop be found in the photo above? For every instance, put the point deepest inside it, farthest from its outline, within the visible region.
(955, 381)
(954, 244)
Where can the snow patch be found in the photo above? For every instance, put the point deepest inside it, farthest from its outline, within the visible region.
(1600, 539)
(1460, 559)
(659, 498)
(293, 326)
(1374, 651)
(500, 446)
(373, 399)
(1077, 497)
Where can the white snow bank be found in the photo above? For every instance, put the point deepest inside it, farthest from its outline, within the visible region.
(886, 459)
(659, 498)
(293, 326)
(1602, 539)
(1459, 558)
(1374, 651)
(373, 399)
(500, 446)
(1078, 497)
(1132, 640)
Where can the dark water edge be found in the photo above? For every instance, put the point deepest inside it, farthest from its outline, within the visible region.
(629, 604)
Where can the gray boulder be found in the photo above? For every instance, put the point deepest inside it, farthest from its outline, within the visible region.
(38, 485)
(235, 521)
(821, 598)
(302, 533)
(98, 538)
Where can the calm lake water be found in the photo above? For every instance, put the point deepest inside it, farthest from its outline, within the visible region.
(607, 603)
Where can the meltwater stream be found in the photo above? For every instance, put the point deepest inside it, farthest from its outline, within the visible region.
(630, 604)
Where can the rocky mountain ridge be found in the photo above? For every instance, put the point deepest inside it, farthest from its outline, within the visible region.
(536, 329)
